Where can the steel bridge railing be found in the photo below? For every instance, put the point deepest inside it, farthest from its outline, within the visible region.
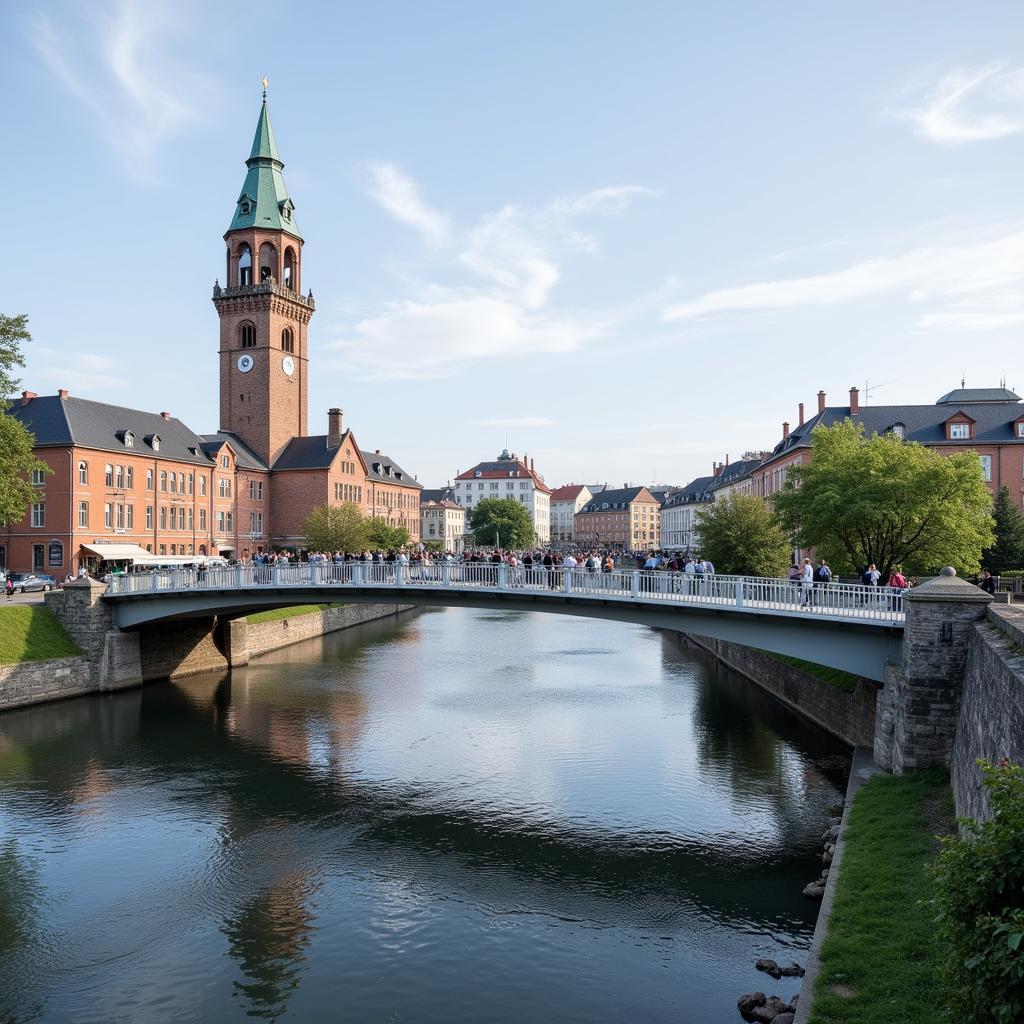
(883, 605)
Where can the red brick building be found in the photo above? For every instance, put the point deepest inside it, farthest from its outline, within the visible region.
(141, 480)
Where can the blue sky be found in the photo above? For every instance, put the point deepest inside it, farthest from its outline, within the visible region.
(625, 238)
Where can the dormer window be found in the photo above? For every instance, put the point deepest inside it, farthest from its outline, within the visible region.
(1020, 428)
(898, 430)
(154, 442)
(478, 473)
(129, 439)
(244, 207)
(959, 431)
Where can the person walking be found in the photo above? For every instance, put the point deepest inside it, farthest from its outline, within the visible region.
(807, 581)
(822, 578)
(988, 582)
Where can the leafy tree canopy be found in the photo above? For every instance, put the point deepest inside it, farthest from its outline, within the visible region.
(382, 536)
(877, 499)
(13, 332)
(17, 462)
(501, 522)
(1008, 550)
(336, 528)
(742, 537)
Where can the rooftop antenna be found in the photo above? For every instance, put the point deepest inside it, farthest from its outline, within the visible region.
(868, 388)
(963, 383)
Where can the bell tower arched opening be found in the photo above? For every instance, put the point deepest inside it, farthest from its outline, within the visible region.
(244, 264)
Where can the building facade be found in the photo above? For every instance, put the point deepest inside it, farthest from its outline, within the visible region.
(444, 523)
(508, 477)
(626, 518)
(565, 503)
(144, 481)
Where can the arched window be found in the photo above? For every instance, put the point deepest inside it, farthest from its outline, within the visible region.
(287, 340)
(108, 475)
(244, 265)
(268, 261)
(202, 549)
(83, 472)
(174, 484)
(163, 480)
(290, 276)
(247, 335)
(83, 514)
(119, 477)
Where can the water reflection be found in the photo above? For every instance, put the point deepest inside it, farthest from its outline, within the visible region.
(395, 811)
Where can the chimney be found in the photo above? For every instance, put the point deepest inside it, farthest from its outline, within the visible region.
(801, 414)
(166, 415)
(531, 465)
(335, 427)
(63, 394)
(854, 401)
(727, 458)
(376, 451)
(821, 401)
(785, 431)
(27, 396)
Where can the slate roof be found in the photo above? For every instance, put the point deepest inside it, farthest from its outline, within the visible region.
(505, 467)
(245, 457)
(696, 490)
(978, 395)
(734, 471)
(993, 423)
(619, 498)
(437, 494)
(78, 421)
(308, 453)
(385, 470)
(441, 504)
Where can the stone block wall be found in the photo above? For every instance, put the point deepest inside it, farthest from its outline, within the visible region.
(81, 610)
(990, 724)
(180, 648)
(849, 716)
(35, 682)
(247, 639)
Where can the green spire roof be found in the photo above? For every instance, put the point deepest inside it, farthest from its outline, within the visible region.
(264, 201)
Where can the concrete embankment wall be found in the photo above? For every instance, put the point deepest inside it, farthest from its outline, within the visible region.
(848, 716)
(990, 722)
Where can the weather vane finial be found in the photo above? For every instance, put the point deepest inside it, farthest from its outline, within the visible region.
(265, 82)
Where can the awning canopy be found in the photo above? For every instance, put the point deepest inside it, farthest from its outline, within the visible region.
(118, 552)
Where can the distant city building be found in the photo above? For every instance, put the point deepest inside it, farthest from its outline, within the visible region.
(680, 512)
(627, 518)
(988, 421)
(565, 503)
(508, 477)
(443, 522)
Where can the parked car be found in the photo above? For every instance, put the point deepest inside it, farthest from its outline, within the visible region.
(26, 581)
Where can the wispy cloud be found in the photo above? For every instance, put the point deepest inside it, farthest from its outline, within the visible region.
(520, 422)
(937, 274)
(117, 60)
(972, 105)
(513, 259)
(78, 372)
(400, 196)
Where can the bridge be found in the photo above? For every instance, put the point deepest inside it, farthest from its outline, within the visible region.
(851, 627)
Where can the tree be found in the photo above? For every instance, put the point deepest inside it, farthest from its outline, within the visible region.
(17, 463)
(742, 537)
(501, 522)
(382, 536)
(1008, 550)
(879, 500)
(336, 528)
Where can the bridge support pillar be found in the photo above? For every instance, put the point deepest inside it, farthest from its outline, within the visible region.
(236, 641)
(917, 709)
(121, 664)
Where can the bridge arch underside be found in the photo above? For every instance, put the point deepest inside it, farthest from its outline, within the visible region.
(862, 648)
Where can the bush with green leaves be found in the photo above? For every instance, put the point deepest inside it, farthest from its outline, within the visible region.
(979, 899)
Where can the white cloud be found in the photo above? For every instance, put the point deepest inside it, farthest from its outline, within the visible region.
(972, 105)
(513, 257)
(926, 274)
(117, 60)
(434, 338)
(521, 422)
(77, 372)
(400, 196)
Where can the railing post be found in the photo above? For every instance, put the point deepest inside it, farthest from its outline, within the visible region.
(739, 593)
(502, 576)
(446, 574)
(399, 578)
(275, 574)
(156, 580)
(567, 582)
(635, 585)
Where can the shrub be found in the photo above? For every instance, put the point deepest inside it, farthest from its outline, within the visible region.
(979, 900)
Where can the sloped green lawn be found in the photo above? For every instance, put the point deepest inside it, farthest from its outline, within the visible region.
(31, 633)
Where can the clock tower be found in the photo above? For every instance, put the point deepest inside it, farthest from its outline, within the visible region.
(263, 314)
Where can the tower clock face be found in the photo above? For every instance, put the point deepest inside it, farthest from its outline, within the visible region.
(245, 363)
(288, 365)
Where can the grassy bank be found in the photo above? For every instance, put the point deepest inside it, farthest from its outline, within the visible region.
(30, 633)
(879, 958)
(835, 677)
(273, 614)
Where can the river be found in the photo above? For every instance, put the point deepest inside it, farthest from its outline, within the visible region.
(454, 816)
